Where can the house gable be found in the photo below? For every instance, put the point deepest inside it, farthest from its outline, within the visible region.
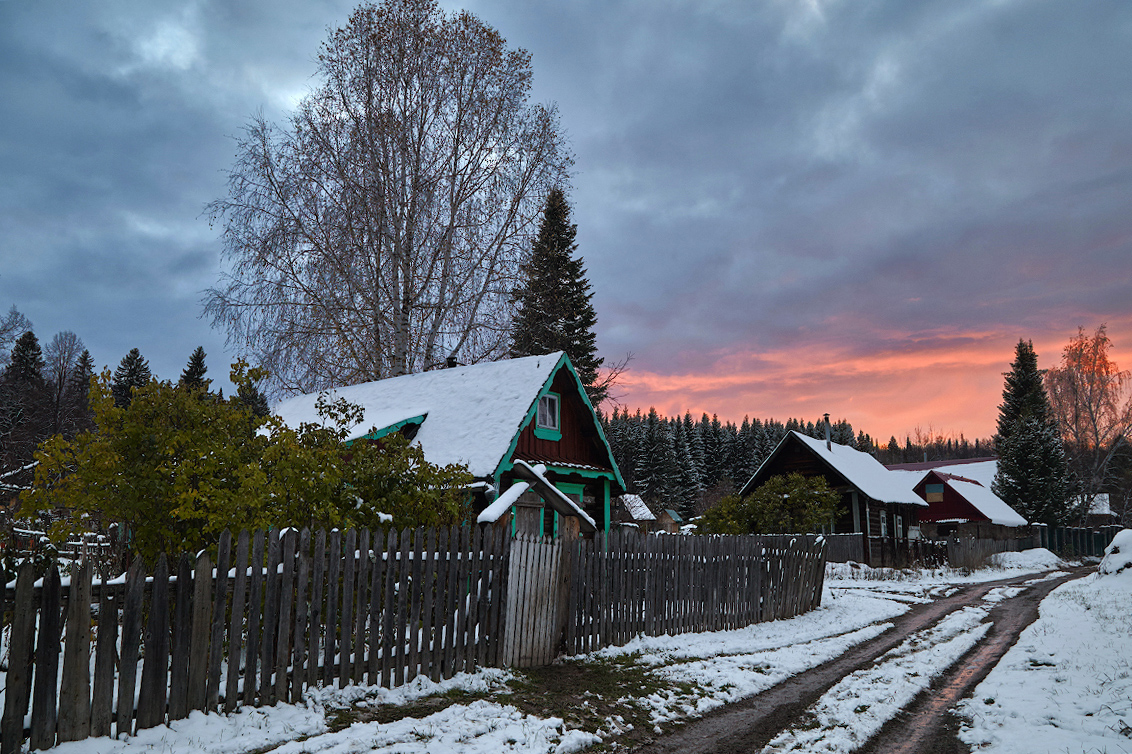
(952, 506)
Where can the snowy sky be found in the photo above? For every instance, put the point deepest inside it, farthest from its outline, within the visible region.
(785, 207)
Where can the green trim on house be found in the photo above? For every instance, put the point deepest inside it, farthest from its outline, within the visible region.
(506, 463)
(386, 431)
(607, 509)
(548, 433)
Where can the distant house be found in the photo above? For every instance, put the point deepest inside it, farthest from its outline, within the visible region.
(669, 521)
(523, 421)
(955, 503)
(960, 500)
(875, 503)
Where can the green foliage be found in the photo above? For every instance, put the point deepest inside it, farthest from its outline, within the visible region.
(789, 504)
(177, 470)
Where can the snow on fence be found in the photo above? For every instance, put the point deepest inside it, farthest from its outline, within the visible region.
(346, 610)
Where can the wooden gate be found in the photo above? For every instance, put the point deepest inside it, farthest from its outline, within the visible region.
(537, 600)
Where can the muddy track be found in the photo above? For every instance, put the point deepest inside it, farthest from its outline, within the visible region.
(927, 726)
(748, 725)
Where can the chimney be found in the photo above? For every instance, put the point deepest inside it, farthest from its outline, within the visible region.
(828, 442)
(451, 363)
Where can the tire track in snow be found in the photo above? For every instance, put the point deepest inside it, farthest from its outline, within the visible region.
(749, 725)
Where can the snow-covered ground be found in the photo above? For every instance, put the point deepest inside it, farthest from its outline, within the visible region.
(704, 671)
(1066, 686)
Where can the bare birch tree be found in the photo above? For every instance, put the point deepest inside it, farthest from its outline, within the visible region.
(381, 230)
(1092, 403)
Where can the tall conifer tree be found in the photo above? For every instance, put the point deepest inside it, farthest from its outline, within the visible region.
(132, 373)
(555, 311)
(1032, 476)
(193, 376)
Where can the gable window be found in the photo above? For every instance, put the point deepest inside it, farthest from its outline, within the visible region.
(548, 425)
(548, 411)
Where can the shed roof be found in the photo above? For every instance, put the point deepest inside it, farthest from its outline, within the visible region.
(636, 507)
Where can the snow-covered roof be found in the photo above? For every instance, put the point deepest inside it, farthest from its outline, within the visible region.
(636, 508)
(987, 503)
(865, 472)
(980, 471)
(1100, 505)
(471, 414)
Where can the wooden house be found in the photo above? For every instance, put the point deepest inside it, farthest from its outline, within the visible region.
(963, 506)
(877, 504)
(519, 421)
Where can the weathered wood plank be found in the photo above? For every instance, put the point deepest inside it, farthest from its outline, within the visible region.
(452, 600)
(44, 699)
(151, 700)
(219, 621)
(330, 646)
(131, 639)
(439, 619)
(270, 619)
(299, 654)
(387, 622)
(401, 621)
(428, 587)
(74, 692)
(361, 611)
(318, 578)
(106, 651)
(17, 686)
(201, 632)
(236, 624)
(346, 631)
(413, 607)
(255, 621)
(286, 601)
(182, 631)
(377, 602)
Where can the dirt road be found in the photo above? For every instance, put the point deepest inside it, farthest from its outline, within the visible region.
(747, 726)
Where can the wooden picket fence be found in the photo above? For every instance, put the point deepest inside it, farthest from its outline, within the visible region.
(582, 595)
(328, 608)
(286, 611)
(627, 584)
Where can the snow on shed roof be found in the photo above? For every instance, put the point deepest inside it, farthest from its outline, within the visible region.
(637, 508)
(472, 413)
(865, 472)
(981, 471)
(987, 503)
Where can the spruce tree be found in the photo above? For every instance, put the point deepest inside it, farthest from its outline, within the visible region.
(193, 376)
(131, 374)
(25, 416)
(1032, 476)
(555, 309)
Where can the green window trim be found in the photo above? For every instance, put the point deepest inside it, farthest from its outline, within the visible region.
(548, 432)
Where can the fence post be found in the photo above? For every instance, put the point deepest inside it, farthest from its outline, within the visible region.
(21, 645)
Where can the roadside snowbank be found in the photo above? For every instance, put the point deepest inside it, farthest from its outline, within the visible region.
(1038, 559)
(1067, 684)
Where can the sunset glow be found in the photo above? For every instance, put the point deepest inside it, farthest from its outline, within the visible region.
(950, 384)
